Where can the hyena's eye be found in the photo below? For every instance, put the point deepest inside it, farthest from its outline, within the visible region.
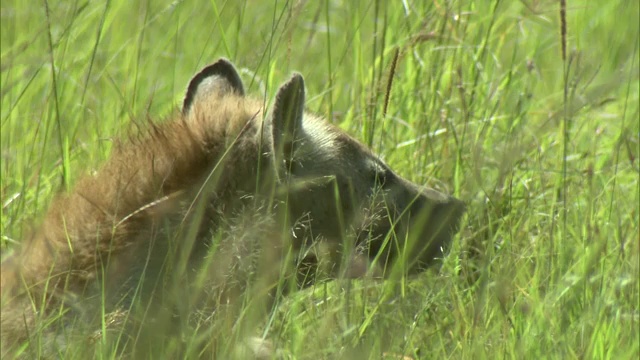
(379, 175)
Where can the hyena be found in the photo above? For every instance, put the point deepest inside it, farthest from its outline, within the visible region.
(293, 179)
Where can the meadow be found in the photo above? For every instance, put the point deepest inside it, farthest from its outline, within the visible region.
(530, 117)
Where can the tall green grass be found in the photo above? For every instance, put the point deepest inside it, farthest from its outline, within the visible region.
(544, 150)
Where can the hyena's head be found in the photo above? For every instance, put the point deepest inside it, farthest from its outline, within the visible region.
(336, 185)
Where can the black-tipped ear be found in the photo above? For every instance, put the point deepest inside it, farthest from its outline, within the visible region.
(286, 118)
(220, 77)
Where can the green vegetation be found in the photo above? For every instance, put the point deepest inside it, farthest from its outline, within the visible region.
(543, 149)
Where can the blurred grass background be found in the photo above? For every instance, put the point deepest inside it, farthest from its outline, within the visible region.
(482, 105)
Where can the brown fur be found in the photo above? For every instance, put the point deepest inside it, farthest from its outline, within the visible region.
(212, 162)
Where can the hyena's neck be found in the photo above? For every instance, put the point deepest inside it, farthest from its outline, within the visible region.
(147, 178)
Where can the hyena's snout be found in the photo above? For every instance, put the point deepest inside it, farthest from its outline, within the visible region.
(421, 224)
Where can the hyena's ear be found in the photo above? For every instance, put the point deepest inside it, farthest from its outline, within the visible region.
(286, 120)
(220, 78)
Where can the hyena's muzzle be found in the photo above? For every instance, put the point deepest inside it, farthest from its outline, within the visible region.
(408, 227)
